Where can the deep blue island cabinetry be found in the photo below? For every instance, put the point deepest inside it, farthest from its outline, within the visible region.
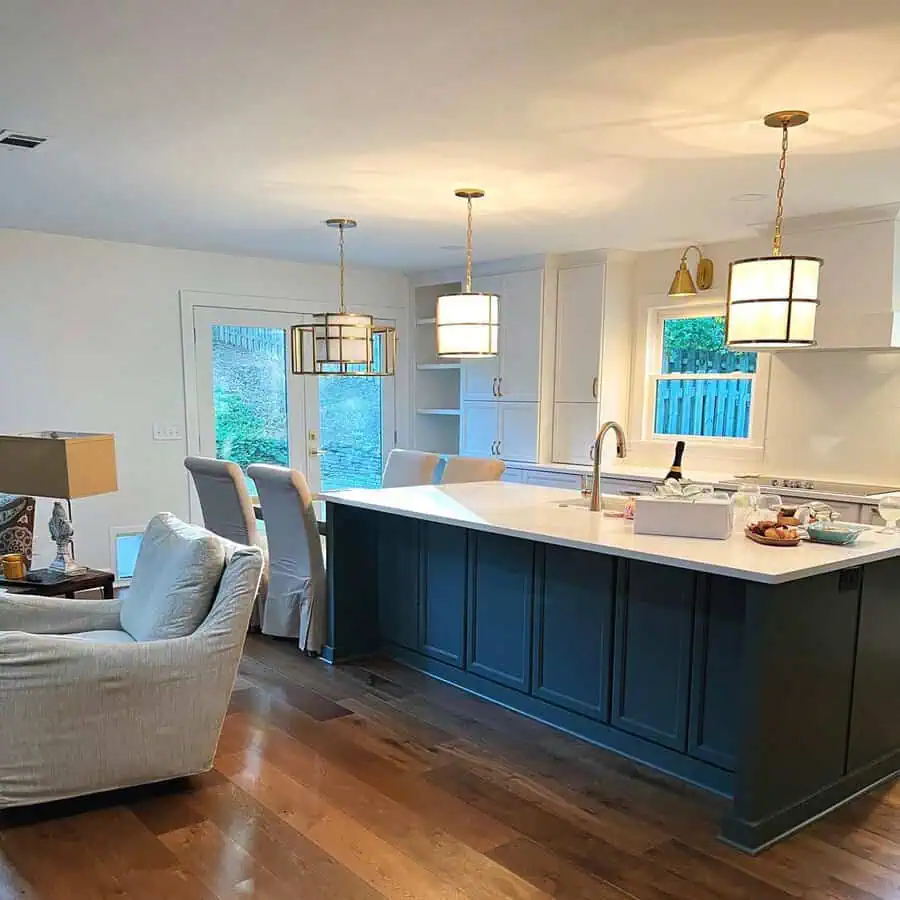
(777, 695)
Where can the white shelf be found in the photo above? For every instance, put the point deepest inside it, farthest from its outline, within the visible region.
(438, 412)
(431, 321)
(427, 367)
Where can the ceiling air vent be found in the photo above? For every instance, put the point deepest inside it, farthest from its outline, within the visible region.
(19, 141)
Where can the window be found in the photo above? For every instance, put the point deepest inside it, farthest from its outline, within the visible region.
(125, 546)
(698, 386)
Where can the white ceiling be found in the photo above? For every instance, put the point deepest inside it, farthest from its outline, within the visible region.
(238, 125)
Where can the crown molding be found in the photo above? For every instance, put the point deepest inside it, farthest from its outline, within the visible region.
(843, 218)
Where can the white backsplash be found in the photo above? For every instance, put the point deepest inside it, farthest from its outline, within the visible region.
(835, 415)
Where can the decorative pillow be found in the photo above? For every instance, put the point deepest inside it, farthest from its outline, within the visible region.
(17, 525)
(175, 579)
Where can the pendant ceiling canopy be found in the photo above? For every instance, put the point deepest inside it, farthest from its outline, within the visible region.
(772, 300)
(468, 323)
(343, 343)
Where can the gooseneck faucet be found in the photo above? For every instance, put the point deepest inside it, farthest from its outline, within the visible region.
(597, 452)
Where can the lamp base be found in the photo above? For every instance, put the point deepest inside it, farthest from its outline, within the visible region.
(64, 564)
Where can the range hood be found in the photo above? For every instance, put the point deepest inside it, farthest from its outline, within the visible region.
(859, 286)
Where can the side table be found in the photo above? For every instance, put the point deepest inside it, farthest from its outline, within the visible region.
(48, 584)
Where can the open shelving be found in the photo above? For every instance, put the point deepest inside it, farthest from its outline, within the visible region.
(437, 381)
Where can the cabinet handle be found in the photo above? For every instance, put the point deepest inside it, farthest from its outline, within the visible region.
(499, 385)
(594, 386)
(499, 444)
(493, 448)
(494, 387)
(591, 452)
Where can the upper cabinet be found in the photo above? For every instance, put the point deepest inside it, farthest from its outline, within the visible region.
(594, 321)
(579, 324)
(514, 374)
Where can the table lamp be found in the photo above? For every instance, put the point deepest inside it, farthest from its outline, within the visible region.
(63, 465)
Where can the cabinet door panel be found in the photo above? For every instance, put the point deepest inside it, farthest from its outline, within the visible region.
(579, 323)
(478, 379)
(478, 429)
(500, 609)
(518, 431)
(652, 655)
(398, 580)
(574, 431)
(521, 301)
(569, 481)
(572, 631)
(442, 615)
(717, 671)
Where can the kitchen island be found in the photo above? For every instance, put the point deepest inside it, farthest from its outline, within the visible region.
(767, 675)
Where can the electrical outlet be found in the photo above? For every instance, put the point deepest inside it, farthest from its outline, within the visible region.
(167, 432)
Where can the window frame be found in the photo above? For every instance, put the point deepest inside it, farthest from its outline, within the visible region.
(116, 532)
(653, 375)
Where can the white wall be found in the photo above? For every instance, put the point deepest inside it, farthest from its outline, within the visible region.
(835, 415)
(832, 414)
(90, 340)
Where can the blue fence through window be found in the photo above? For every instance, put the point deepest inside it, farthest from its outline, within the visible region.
(708, 407)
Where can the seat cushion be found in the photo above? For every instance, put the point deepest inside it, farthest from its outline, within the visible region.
(175, 579)
(103, 636)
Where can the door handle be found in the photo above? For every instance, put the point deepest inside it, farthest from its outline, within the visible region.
(594, 386)
(317, 451)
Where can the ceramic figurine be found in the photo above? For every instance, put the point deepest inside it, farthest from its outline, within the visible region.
(61, 531)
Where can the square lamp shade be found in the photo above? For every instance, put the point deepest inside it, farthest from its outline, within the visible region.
(59, 464)
(772, 302)
(343, 344)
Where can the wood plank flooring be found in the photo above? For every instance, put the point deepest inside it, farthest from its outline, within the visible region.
(369, 782)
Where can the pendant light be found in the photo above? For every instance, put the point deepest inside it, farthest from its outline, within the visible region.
(343, 343)
(772, 300)
(468, 323)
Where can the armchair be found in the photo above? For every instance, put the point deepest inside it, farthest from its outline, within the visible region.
(86, 706)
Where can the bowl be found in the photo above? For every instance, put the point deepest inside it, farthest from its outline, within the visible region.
(834, 532)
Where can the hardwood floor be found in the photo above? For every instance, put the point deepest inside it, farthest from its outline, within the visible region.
(363, 782)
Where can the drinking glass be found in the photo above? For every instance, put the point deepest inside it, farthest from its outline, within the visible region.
(889, 510)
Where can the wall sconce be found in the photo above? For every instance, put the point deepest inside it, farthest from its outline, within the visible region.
(683, 285)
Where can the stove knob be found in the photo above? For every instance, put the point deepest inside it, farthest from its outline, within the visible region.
(774, 482)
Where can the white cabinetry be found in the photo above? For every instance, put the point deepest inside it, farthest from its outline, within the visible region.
(593, 354)
(579, 323)
(574, 431)
(514, 374)
(495, 428)
(501, 395)
(480, 376)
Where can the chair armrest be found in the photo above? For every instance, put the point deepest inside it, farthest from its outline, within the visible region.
(56, 615)
(80, 716)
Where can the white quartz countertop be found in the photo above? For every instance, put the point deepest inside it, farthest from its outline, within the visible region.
(534, 513)
(623, 469)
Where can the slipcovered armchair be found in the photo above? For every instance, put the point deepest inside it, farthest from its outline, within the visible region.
(103, 694)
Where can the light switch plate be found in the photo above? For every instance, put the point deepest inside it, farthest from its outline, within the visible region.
(167, 432)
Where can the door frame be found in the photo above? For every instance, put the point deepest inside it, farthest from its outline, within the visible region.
(189, 301)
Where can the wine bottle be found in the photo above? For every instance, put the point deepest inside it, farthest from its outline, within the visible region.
(675, 471)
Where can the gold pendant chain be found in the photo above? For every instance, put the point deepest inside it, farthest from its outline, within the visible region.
(779, 211)
(341, 245)
(469, 246)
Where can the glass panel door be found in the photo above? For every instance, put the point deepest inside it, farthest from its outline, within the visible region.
(335, 429)
(352, 418)
(251, 408)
